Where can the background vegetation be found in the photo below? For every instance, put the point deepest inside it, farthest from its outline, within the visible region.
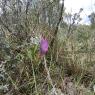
(69, 64)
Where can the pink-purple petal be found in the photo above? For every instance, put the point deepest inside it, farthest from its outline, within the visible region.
(43, 46)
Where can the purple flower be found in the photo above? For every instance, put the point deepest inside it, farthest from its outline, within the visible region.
(43, 46)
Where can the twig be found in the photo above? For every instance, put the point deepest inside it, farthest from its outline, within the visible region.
(56, 30)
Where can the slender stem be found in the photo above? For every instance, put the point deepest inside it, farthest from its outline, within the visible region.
(48, 76)
(34, 79)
